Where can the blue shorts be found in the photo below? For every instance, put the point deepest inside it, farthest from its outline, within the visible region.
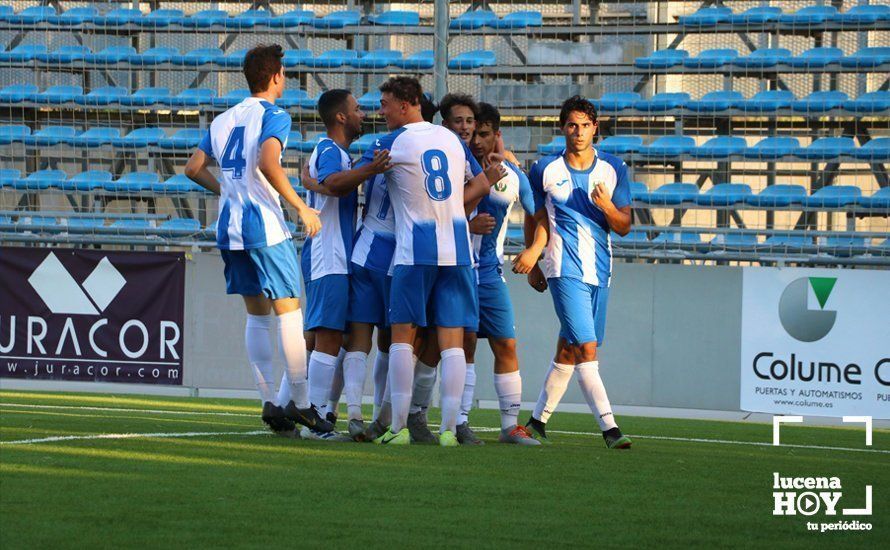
(495, 311)
(269, 270)
(581, 309)
(327, 301)
(368, 296)
(447, 292)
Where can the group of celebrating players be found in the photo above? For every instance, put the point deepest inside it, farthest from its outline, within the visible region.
(422, 262)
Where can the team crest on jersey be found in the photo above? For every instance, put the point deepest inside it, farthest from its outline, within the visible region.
(501, 185)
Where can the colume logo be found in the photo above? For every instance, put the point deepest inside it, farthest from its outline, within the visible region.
(63, 295)
(801, 322)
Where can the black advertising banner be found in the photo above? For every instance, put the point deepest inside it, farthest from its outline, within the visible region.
(91, 315)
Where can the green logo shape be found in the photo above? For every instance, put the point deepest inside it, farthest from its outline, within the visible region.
(822, 287)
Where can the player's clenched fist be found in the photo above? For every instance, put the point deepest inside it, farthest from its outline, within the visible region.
(495, 173)
(311, 221)
(601, 197)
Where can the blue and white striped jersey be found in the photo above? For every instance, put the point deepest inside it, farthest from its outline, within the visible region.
(375, 243)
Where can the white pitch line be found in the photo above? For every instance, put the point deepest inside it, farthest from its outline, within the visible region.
(479, 428)
(162, 435)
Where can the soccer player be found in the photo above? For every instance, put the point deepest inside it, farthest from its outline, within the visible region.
(260, 260)
(433, 257)
(580, 196)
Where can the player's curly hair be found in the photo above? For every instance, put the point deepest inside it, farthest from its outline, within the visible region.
(488, 114)
(451, 101)
(577, 104)
(403, 88)
(261, 63)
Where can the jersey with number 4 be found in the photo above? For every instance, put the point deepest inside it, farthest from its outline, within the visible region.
(250, 214)
(426, 189)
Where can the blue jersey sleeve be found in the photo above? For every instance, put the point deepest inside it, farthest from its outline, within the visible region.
(328, 161)
(276, 124)
(206, 145)
(536, 183)
(526, 197)
(621, 195)
(473, 166)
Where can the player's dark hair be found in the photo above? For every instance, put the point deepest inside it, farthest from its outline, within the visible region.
(403, 88)
(488, 114)
(260, 64)
(577, 104)
(330, 103)
(451, 101)
(428, 107)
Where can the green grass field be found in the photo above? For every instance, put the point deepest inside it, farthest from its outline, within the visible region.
(223, 483)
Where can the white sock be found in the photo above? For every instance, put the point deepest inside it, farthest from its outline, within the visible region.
(381, 369)
(258, 340)
(555, 384)
(466, 400)
(454, 374)
(595, 394)
(354, 379)
(509, 389)
(321, 372)
(337, 383)
(293, 348)
(400, 382)
(385, 416)
(424, 382)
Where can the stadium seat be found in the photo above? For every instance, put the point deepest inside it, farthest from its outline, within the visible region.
(768, 101)
(395, 18)
(668, 146)
(8, 176)
(41, 180)
(756, 16)
(293, 18)
(638, 190)
(735, 241)
(338, 19)
(376, 59)
(867, 58)
(364, 143)
(842, 246)
(709, 59)
(556, 145)
(665, 101)
(145, 97)
(179, 184)
(139, 138)
(720, 147)
(117, 17)
(83, 224)
(5, 11)
(875, 150)
(74, 16)
(332, 59)
(424, 59)
(763, 58)
(102, 96)
(672, 194)
(826, 148)
(517, 20)
(661, 59)
(871, 103)
(706, 17)
(724, 194)
(819, 102)
(110, 55)
(472, 60)
(634, 239)
(23, 53)
(880, 199)
(153, 56)
(205, 18)
(132, 182)
(188, 138)
(307, 145)
(86, 182)
(94, 137)
(864, 15)
(181, 225)
(292, 58)
(834, 196)
(714, 102)
(50, 135)
(160, 18)
(620, 145)
(13, 133)
(472, 20)
(200, 56)
(616, 101)
(133, 226)
(291, 98)
(370, 101)
(809, 16)
(192, 97)
(816, 58)
(234, 59)
(778, 195)
(309, 102)
(772, 148)
(64, 54)
(248, 19)
(16, 93)
(232, 98)
(676, 237)
(31, 16)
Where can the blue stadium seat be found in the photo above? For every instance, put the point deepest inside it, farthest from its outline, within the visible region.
(370, 101)
(709, 59)
(756, 16)
(44, 223)
(867, 58)
(94, 137)
(819, 102)
(864, 15)
(86, 182)
(424, 59)
(16, 93)
(309, 102)
(110, 55)
(778, 195)
(133, 226)
(180, 184)
(181, 225)
(64, 54)
(234, 59)
(248, 19)
(295, 183)
(672, 194)
(292, 58)
(724, 194)
(473, 60)
(188, 138)
(200, 56)
(295, 136)
(23, 53)
(396, 18)
(83, 224)
(665, 101)
(880, 199)
(768, 101)
(332, 58)
(816, 58)
(772, 148)
(74, 16)
(231, 98)
(735, 241)
(31, 16)
(843, 246)
(132, 182)
(472, 20)
(145, 97)
(557, 144)
(827, 148)
(676, 237)
(809, 16)
(364, 143)
(205, 18)
(13, 133)
(377, 59)
(291, 98)
(5, 11)
(102, 96)
(117, 17)
(8, 176)
(714, 102)
(661, 59)
(834, 196)
(139, 138)
(668, 146)
(153, 56)
(620, 145)
(634, 239)
(720, 147)
(41, 180)
(293, 18)
(638, 190)
(763, 58)
(517, 20)
(160, 18)
(295, 142)
(50, 135)
(192, 97)
(616, 101)
(875, 150)
(338, 20)
(706, 17)
(871, 103)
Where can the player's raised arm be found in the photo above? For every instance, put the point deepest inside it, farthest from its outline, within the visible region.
(270, 166)
(196, 167)
(615, 206)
